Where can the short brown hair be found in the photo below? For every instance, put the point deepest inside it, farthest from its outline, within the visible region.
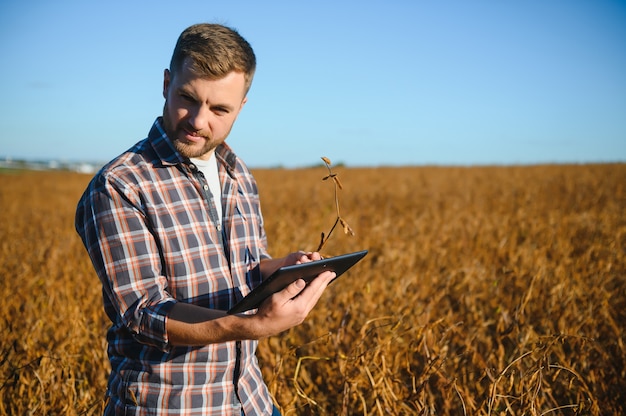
(215, 51)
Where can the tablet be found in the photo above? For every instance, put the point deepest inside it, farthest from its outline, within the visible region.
(284, 276)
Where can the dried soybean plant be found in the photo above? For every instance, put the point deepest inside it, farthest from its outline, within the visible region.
(337, 184)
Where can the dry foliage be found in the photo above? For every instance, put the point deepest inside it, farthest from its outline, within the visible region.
(487, 291)
(339, 220)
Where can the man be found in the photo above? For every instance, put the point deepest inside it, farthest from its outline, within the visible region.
(174, 229)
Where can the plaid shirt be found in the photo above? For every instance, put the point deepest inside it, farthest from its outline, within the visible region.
(146, 222)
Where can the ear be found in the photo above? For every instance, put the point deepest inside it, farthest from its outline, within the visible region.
(245, 100)
(166, 82)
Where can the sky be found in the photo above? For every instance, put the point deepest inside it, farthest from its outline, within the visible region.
(364, 83)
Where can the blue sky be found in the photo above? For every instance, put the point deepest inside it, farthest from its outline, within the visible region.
(366, 83)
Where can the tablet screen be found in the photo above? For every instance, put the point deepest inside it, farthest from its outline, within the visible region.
(284, 276)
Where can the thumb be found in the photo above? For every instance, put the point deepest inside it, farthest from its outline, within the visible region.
(294, 288)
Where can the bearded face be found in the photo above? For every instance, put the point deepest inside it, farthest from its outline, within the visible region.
(199, 113)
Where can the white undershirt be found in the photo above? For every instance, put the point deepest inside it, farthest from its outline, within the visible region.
(209, 169)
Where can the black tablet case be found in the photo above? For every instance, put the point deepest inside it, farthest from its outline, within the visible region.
(284, 276)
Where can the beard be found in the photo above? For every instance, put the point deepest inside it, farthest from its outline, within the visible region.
(186, 148)
(193, 150)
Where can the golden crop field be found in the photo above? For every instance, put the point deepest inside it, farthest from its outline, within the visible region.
(486, 291)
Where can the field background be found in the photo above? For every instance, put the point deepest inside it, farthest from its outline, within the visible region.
(487, 290)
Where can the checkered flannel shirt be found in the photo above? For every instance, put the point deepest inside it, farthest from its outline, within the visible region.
(145, 222)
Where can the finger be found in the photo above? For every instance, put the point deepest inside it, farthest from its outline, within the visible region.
(292, 290)
(322, 280)
(304, 257)
(315, 256)
(314, 290)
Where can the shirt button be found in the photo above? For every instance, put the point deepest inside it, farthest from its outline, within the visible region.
(206, 187)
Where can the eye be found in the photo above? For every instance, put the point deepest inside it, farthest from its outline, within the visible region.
(219, 110)
(188, 98)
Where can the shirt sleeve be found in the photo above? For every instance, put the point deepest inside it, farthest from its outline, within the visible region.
(117, 235)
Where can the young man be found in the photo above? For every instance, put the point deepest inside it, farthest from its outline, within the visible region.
(174, 229)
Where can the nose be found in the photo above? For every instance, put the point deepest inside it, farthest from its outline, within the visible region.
(199, 118)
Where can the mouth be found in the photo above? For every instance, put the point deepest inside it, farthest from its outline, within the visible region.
(192, 136)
